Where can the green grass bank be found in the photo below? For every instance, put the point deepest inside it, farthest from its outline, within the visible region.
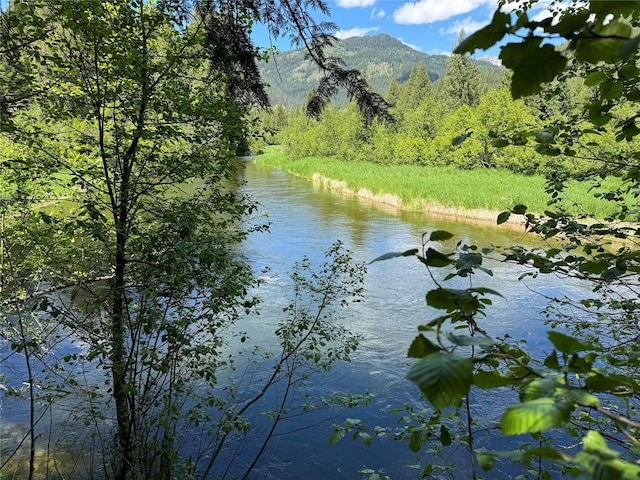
(473, 194)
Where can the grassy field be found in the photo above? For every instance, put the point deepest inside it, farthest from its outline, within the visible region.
(480, 193)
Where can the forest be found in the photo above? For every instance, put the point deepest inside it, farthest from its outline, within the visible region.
(122, 278)
(479, 113)
(381, 58)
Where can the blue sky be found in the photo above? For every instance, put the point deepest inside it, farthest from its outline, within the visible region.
(430, 26)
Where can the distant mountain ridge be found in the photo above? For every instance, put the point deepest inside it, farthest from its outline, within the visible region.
(381, 58)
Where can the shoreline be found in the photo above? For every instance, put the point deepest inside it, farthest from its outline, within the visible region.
(394, 203)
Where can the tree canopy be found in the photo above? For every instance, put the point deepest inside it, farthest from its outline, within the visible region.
(121, 216)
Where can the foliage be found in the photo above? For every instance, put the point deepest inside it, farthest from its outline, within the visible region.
(382, 58)
(584, 387)
(462, 83)
(123, 293)
(415, 90)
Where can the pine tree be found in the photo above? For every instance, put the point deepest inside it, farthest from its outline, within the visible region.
(462, 84)
(393, 92)
(417, 88)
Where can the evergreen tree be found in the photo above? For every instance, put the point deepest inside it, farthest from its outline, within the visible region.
(417, 88)
(462, 85)
(393, 92)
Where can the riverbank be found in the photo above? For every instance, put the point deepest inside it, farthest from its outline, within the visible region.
(477, 195)
(472, 195)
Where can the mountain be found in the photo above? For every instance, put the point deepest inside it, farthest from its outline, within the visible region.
(381, 58)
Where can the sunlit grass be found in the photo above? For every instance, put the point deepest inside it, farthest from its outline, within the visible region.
(418, 186)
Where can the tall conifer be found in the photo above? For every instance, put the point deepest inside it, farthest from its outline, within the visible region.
(462, 85)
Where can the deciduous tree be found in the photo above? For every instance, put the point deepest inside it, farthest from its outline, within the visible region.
(129, 113)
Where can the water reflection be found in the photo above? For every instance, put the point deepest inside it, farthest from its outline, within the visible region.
(305, 221)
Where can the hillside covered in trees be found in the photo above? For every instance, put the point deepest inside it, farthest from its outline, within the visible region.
(462, 119)
(380, 57)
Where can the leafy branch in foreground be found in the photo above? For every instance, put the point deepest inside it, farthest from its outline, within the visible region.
(586, 388)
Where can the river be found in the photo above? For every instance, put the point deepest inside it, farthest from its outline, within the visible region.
(306, 220)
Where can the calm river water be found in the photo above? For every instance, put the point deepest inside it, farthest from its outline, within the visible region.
(306, 220)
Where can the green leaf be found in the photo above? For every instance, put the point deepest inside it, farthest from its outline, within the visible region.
(503, 217)
(336, 436)
(569, 23)
(445, 436)
(566, 344)
(366, 438)
(608, 383)
(535, 416)
(604, 43)
(594, 78)
(387, 256)
(546, 149)
(532, 64)
(594, 442)
(596, 115)
(468, 262)
(595, 266)
(580, 397)
(451, 299)
(552, 360)
(486, 460)
(539, 388)
(488, 36)
(487, 380)
(421, 346)
(417, 440)
(546, 452)
(443, 378)
(485, 291)
(433, 258)
(440, 235)
(467, 341)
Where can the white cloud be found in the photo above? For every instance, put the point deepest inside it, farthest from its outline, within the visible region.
(355, 32)
(469, 25)
(377, 13)
(355, 3)
(428, 11)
